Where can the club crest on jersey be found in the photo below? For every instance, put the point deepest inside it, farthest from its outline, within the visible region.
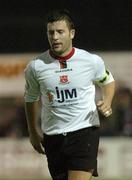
(64, 79)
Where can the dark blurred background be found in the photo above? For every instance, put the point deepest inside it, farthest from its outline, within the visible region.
(100, 25)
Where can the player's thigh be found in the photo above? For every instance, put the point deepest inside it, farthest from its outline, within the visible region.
(82, 150)
(56, 160)
(80, 175)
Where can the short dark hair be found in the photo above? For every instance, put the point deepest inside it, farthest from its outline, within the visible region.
(58, 15)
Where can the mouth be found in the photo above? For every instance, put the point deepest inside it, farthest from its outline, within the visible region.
(56, 45)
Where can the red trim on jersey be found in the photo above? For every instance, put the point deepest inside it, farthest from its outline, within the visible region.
(63, 58)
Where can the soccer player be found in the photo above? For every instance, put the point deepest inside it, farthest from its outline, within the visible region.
(64, 77)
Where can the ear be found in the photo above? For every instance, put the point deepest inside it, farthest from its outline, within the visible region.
(72, 33)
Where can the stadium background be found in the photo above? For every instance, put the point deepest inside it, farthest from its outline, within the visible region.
(103, 27)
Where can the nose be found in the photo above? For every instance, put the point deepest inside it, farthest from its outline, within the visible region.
(55, 35)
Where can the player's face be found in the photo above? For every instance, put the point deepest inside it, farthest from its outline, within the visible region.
(60, 37)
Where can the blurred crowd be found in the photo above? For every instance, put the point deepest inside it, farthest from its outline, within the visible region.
(13, 121)
(120, 122)
(12, 118)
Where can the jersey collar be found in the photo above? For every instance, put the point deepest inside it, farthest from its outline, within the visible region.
(64, 58)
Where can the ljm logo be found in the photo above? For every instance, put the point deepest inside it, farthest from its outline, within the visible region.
(65, 94)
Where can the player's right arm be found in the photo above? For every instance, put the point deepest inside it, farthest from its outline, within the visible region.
(32, 93)
(36, 137)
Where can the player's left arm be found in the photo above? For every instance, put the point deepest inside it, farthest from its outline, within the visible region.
(107, 85)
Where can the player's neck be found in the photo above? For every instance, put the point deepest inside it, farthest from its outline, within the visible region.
(63, 58)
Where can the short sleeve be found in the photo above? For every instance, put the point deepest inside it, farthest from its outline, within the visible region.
(100, 70)
(32, 89)
(102, 75)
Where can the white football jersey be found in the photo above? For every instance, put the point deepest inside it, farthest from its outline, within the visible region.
(67, 90)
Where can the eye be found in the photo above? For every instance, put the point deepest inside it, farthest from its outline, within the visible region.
(60, 31)
(50, 32)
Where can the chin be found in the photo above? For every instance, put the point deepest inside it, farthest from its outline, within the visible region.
(57, 51)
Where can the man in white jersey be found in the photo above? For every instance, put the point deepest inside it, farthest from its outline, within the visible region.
(64, 77)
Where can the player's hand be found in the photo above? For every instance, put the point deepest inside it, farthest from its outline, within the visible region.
(36, 141)
(104, 108)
